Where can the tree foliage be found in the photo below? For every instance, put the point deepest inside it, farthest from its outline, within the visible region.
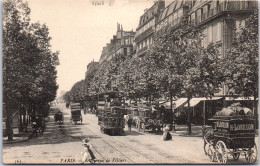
(29, 65)
(242, 60)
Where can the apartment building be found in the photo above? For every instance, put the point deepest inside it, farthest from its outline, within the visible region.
(146, 28)
(173, 16)
(220, 19)
(120, 44)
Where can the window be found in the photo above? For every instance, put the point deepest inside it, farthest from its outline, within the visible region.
(219, 32)
(175, 16)
(125, 51)
(205, 9)
(170, 21)
(199, 15)
(192, 17)
(215, 30)
(180, 13)
(204, 40)
(209, 35)
(131, 49)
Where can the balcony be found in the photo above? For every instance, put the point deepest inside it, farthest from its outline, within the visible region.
(231, 6)
(142, 50)
(145, 34)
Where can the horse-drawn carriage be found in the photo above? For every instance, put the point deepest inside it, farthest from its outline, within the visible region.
(146, 120)
(76, 112)
(38, 124)
(233, 135)
(58, 117)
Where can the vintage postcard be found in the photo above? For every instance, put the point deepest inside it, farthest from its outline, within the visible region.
(130, 82)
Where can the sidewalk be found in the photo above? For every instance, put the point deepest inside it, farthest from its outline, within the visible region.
(182, 130)
(18, 137)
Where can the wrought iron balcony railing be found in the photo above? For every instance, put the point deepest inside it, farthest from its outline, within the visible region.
(231, 6)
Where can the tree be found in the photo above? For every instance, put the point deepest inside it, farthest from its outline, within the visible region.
(66, 97)
(184, 68)
(29, 73)
(241, 62)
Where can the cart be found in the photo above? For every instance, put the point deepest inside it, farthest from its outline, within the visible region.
(58, 117)
(233, 136)
(38, 124)
(76, 113)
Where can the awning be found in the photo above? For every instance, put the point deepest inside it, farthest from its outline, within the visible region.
(239, 98)
(175, 104)
(179, 102)
(162, 101)
(192, 103)
(195, 101)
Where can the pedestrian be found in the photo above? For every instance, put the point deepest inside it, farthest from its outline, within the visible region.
(88, 155)
(129, 122)
(166, 133)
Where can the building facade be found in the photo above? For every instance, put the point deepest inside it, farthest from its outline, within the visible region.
(146, 28)
(120, 44)
(220, 20)
(173, 16)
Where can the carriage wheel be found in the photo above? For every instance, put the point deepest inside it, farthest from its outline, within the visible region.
(221, 151)
(251, 155)
(211, 153)
(236, 156)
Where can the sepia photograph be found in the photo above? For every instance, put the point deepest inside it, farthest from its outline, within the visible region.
(120, 82)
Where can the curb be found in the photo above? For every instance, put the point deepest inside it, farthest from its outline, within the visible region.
(16, 141)
(184, 135)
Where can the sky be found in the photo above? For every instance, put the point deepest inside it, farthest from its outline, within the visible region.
(80, 29)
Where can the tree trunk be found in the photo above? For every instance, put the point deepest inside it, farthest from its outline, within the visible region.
(189, 117)
(204, 113)
(171, 109)
(9, 125)
(255, 110)
(20, 120)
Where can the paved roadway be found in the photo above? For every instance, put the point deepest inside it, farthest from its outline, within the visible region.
(62, 144)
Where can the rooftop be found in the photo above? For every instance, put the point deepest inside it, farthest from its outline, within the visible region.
(171, 8)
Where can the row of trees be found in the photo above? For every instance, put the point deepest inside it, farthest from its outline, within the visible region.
(179, 65)
(29, 64)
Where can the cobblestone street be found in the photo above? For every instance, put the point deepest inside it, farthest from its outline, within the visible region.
(62, 144)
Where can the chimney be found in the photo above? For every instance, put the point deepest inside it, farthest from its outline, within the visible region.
(118, 27)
